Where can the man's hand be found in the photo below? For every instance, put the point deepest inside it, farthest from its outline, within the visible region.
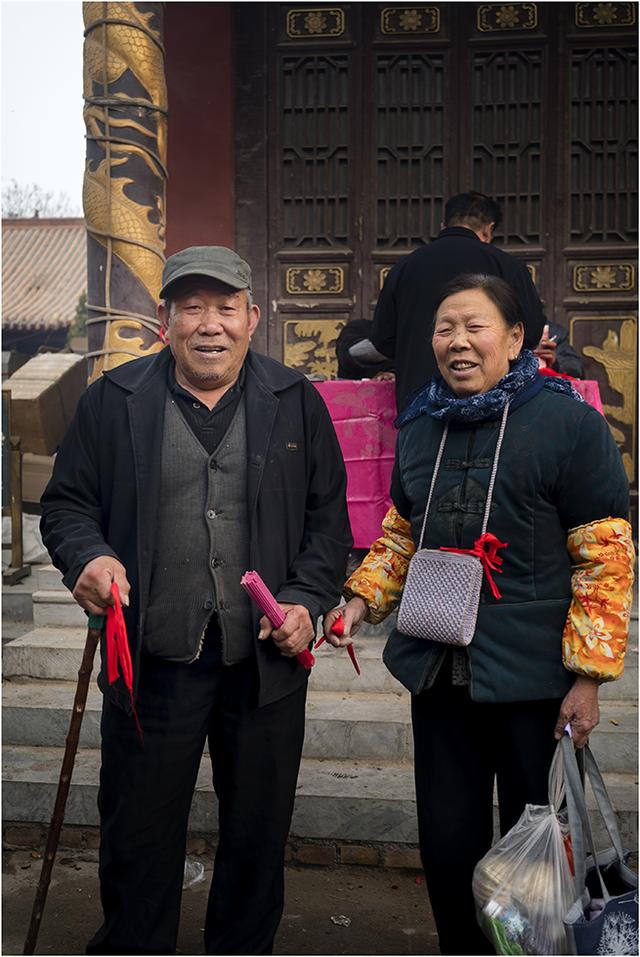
(546, 348)
(352, 613)
(295, 633)
(580, 709)
(93, 587)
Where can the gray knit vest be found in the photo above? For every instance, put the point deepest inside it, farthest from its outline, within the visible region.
(202, 544)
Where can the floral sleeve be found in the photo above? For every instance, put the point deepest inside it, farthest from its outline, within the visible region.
(595, 634)
(380, 578)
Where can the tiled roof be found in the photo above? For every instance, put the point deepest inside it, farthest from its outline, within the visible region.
(44, 271)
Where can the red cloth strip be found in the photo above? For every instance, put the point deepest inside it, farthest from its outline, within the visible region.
(486, 549)
(118, 653)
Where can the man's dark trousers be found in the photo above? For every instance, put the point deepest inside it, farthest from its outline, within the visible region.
(145, 796)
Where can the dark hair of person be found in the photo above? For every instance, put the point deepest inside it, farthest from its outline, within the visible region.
(499, 292)
(472, 209)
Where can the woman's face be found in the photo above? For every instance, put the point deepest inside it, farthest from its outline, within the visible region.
(473, 344)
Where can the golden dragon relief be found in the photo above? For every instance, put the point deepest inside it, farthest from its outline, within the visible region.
(126, 119)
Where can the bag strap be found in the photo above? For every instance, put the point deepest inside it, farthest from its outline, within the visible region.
(603, 801)
(579, 823)
(492, 480)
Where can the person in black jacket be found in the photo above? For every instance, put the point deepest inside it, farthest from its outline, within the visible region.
(402, 319)
(181, 471)
(556, 352)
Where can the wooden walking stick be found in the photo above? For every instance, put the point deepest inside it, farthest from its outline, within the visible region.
(96, 623)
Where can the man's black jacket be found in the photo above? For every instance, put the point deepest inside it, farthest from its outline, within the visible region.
(104, 496)
(402, 323)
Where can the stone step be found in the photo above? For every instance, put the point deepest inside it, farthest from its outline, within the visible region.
(376, 727)
(50, 653)
(56, 653)
(17, 601)
(339, 726)
(356, 801)
(57, 607)
(48, 578)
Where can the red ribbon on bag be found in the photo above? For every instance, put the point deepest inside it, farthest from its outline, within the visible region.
(486, 549)
(118, 654)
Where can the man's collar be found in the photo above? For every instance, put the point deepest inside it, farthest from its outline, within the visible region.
(458, 231)
(180, 390)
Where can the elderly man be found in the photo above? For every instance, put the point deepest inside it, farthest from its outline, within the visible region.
(181, 471)
(404, 314)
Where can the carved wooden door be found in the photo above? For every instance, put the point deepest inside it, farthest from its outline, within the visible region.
(356, 122)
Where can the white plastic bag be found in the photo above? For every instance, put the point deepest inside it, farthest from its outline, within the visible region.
(523, 885)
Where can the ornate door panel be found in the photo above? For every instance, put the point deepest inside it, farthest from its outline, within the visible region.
(356, 121)
(596, 261)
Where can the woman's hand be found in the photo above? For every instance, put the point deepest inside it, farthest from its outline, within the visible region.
(580, 709)
(352, 613)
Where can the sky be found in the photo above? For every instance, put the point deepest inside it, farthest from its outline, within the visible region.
(42, 126)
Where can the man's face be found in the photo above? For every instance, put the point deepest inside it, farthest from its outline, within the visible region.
(209, 328)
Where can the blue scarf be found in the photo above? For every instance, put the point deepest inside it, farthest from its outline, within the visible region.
(520, 384)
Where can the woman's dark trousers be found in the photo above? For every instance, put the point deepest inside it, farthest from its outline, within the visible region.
(461, 747)
(145, 797)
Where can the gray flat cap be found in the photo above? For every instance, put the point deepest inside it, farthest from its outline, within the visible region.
(217, 262)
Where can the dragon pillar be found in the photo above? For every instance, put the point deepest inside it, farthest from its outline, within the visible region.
(125, 114)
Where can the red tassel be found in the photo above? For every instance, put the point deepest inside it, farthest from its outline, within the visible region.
(486, 549)
(337, 628)
(118, 653)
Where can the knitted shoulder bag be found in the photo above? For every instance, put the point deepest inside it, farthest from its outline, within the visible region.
(442, 590)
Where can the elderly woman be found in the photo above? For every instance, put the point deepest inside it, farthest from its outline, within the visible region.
(550, 628)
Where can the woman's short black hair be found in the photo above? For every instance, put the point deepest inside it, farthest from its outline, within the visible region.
(499, 292)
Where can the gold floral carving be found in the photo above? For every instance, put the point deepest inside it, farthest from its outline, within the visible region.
(604, 277)
(310, 345)
(320, 22)
(507, 16)
(318, 280)
(384, 272)
(605, 14)
(617, 355)
(409, 20)
(127, 122)
(533, 272)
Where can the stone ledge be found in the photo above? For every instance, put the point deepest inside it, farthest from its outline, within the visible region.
(298, 851)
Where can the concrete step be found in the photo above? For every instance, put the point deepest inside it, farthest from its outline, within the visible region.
(339, 726)
(48, 578)
(376, 727)
(56, 653)
(51, 653)
(17, 601)
(48, 652)
(57, 607)
(344, 800)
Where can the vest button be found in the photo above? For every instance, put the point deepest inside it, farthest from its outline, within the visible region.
(213, 465)
(211, 513)
(208, 604)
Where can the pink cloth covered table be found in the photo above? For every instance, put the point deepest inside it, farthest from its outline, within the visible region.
(590, 392)
(363, 412)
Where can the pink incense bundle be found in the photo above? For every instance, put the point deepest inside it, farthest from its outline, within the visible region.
(258, 591)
